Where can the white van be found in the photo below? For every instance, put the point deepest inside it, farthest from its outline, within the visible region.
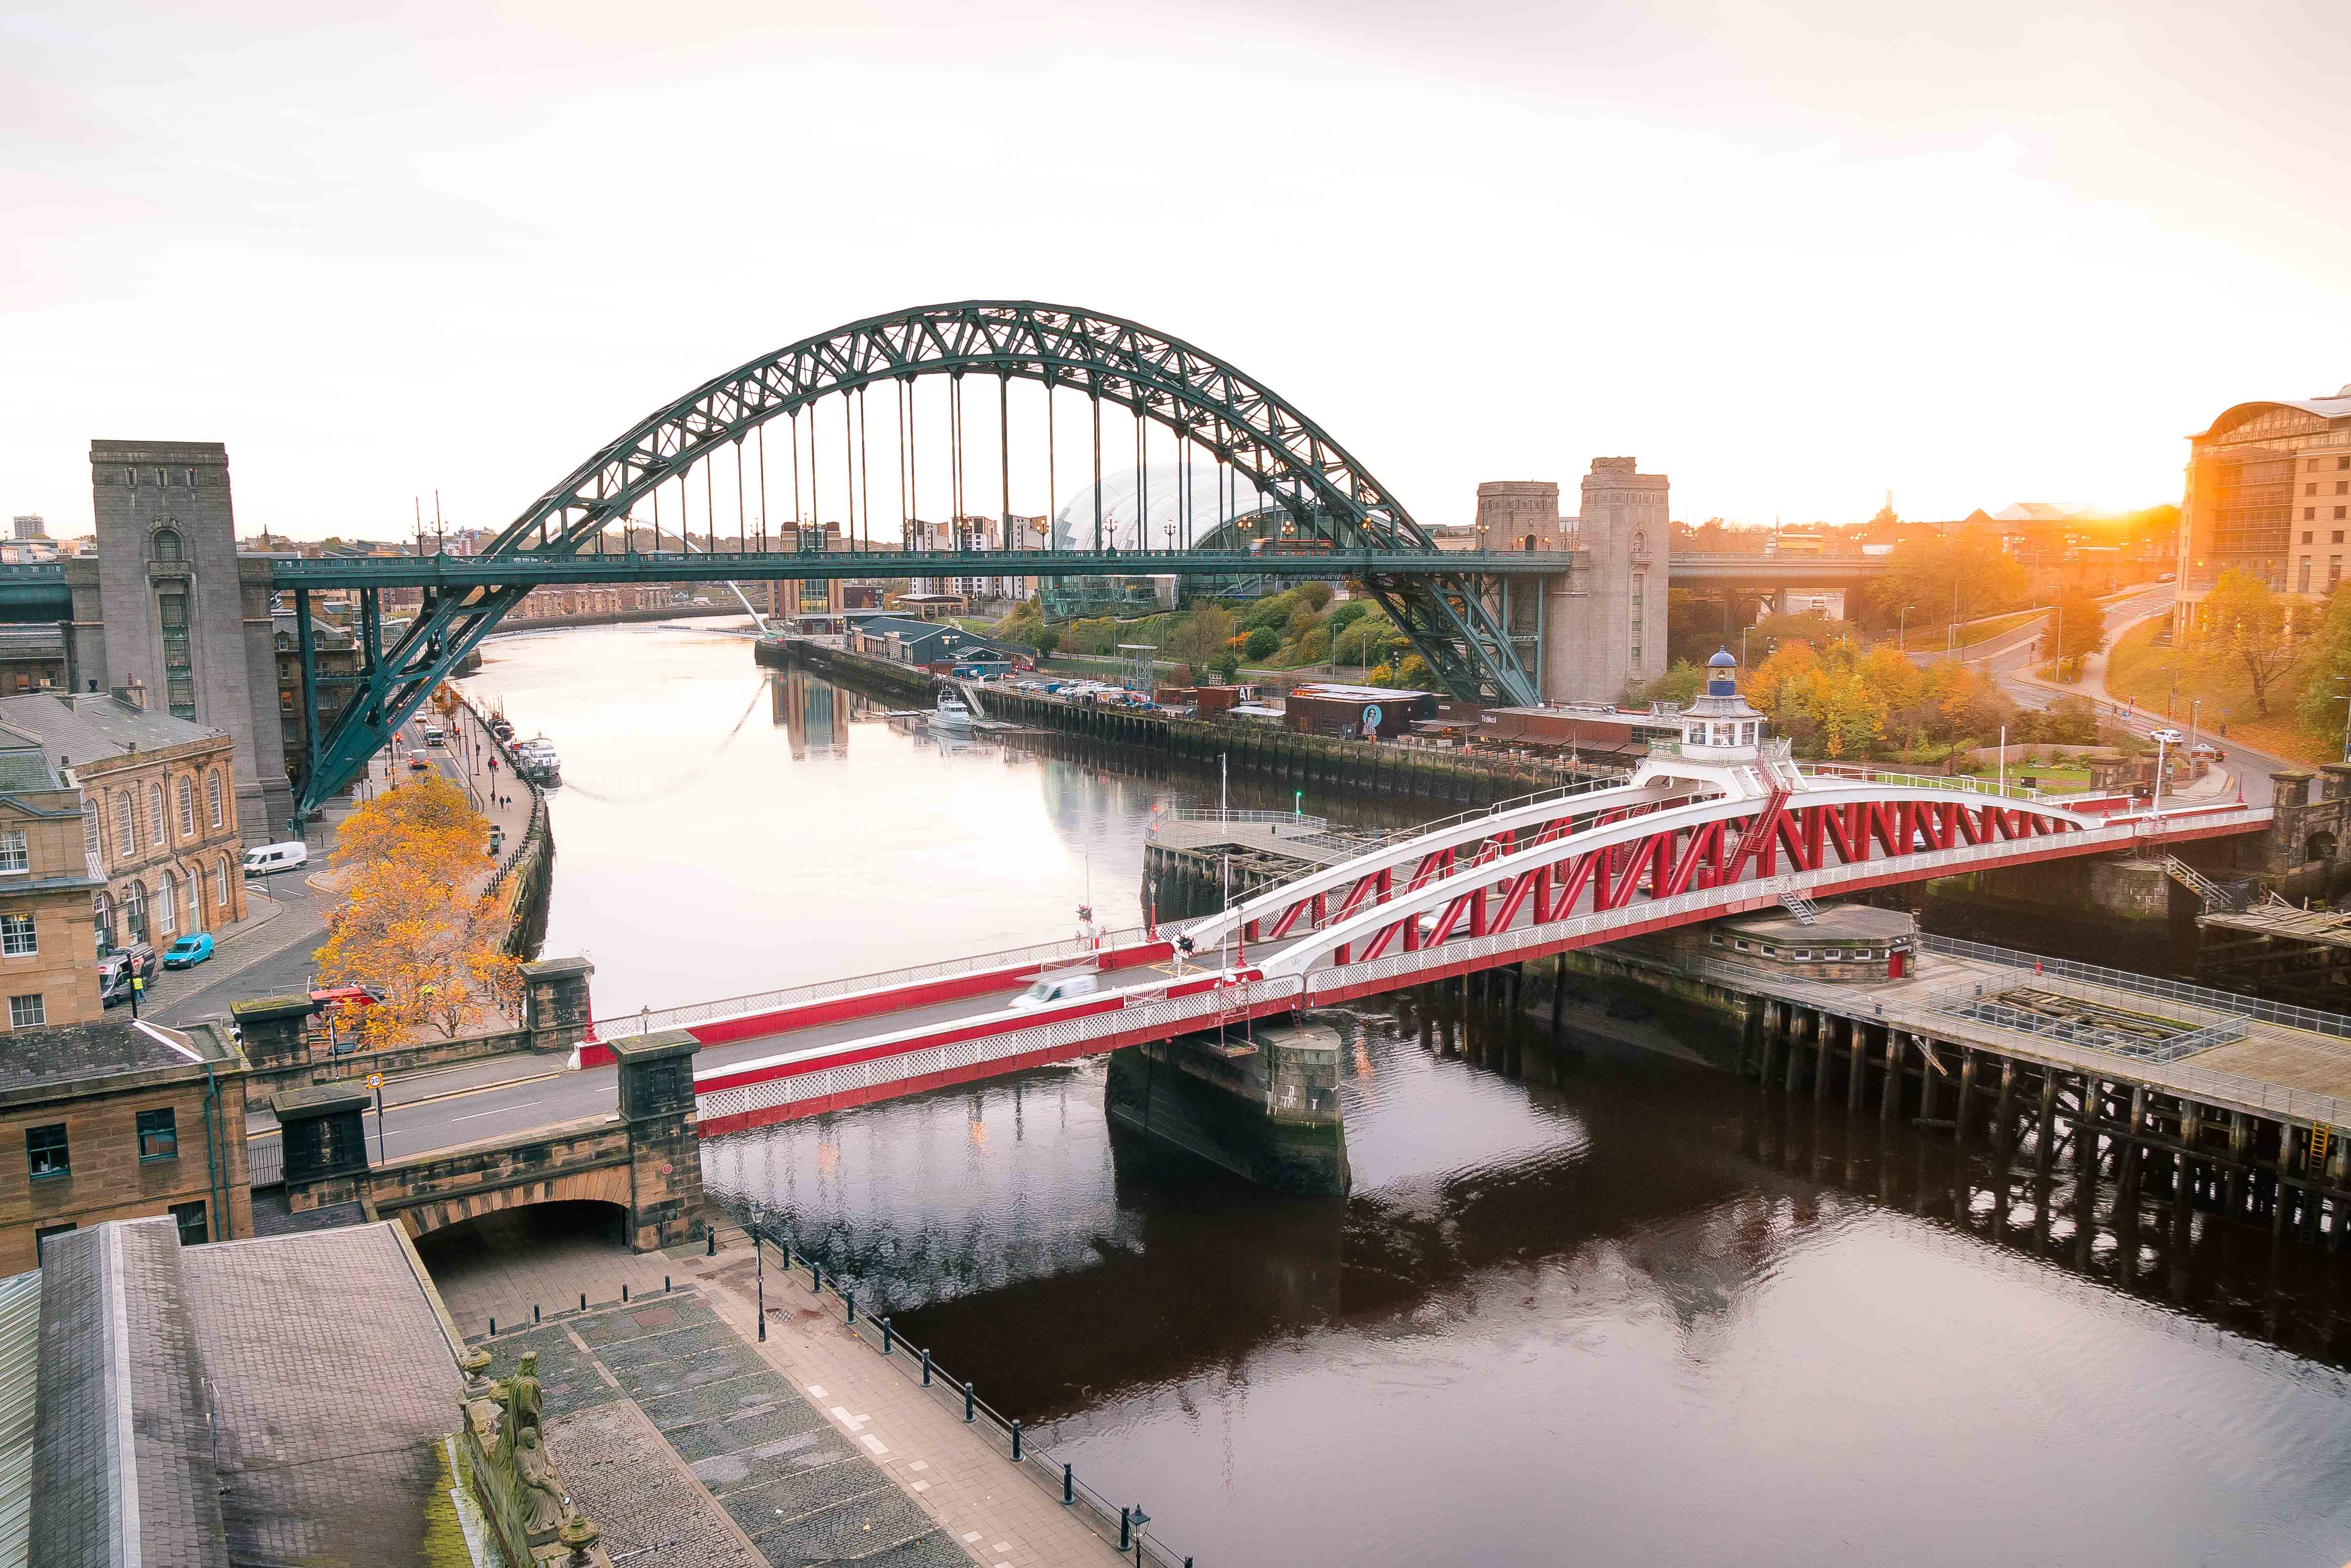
(265, 859)
(1048, 988)
(434, 736)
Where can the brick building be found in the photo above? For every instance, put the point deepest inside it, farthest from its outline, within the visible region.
(49, 962)
(159, 814)
(119, 1120)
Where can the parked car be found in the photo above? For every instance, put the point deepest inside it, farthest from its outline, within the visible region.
(348, 996)
(189, 950)
(264, 858)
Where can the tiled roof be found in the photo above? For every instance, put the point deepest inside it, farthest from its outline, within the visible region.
(278, 1400)
(91, 726)
(67, 1052)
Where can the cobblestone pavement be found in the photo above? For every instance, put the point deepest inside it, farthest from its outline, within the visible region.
(745, 1421)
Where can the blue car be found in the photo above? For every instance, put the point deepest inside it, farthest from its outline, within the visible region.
(188, 951)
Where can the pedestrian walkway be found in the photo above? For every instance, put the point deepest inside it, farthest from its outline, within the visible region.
(948, 1472)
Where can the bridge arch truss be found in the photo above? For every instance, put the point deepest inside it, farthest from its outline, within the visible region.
(1325, 492)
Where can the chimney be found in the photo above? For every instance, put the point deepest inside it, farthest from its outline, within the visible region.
(134, 693)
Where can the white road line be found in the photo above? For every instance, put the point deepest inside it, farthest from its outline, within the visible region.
(476, 1116)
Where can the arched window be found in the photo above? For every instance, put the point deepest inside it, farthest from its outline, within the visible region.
(220, 883)
(167, 545)
(126, 827)
(92, 844)
(1640, 542)
(134, 912)
(212, 796)
(167, 904)
(159, 828)
(186, 788)
(196, 900)
(101, 914)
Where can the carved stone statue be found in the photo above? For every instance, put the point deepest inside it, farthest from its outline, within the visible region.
(540, 1490)
(519, 1397)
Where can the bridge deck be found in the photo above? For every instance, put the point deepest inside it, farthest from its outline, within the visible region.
(2274, 1068)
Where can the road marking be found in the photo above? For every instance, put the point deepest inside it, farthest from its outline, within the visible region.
(476, 1116)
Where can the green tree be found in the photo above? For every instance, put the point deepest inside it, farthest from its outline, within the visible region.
(1044, 640)
(2320, 708)
(1347, 615)
(1314, 595)
(2246, 629)
(2081, 625)
(1414, 675)
(1262, 643)
(1951, 577)
(1199, 636)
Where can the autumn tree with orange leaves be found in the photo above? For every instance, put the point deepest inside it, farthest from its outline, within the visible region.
(415, 921)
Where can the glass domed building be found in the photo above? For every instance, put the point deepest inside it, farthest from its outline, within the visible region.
(1185, 514)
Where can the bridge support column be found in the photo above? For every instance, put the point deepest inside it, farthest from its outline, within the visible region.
(272, 1028)
(1857, 1073)
(1820, 1043)
(1967, 1093)
(664, 1140)
(2048, 1126)
(1796, 1026)
(1889, 1102)
(325, 1141)
(1265, 1109)
(555, 1002)
(2004, 1109)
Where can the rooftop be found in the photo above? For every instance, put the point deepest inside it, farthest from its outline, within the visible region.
(96, 726)
(1833, 923)
(66, 1054)
(224, 1404)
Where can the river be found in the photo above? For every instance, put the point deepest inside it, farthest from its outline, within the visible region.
(1644, 1313)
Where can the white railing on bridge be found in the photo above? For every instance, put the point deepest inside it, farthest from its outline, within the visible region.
(1964, 782)
(627, 1025)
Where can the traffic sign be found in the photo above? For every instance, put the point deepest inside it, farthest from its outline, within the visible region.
(375, 1080)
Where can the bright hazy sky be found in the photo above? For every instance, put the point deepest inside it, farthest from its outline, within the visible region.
(1793, 254)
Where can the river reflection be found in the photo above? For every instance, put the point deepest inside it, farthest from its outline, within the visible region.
(1578, 1309)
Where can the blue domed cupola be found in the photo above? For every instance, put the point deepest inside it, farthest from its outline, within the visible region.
(1722, 674)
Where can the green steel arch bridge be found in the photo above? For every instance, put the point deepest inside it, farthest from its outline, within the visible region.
(1269, 459)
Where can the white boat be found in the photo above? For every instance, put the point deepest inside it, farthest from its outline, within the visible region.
(952, 714)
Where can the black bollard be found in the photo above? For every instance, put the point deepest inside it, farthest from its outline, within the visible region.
(970, 1404)
(1016, 1442)
(885, 1336)
(926, 1369)
(1068, 1486)
(664, 1285)
(816, 1275)
(494, 1329)
(583, 1301)
(534, 1312)
(711, 1235)
(849, 1300)
(1125, 1530)
(624, 1292)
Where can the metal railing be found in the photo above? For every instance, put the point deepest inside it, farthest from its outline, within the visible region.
(2210, 1084)
(1966, 784)
(264, 1162)
(1115, 1524)
(623, 1026)
(2308, 1019)
(1245, 818)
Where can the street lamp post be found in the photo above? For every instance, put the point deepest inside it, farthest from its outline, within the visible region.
(1902, 637)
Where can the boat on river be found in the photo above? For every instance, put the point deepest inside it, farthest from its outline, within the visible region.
(536, 760)
(952, 714)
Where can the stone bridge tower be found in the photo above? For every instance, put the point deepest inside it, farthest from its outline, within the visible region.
(1604, 627)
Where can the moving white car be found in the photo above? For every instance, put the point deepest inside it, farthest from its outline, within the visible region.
(1048, 988)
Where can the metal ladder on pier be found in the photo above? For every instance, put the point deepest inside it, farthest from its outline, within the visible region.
(2216, 899)
(1807, 913)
